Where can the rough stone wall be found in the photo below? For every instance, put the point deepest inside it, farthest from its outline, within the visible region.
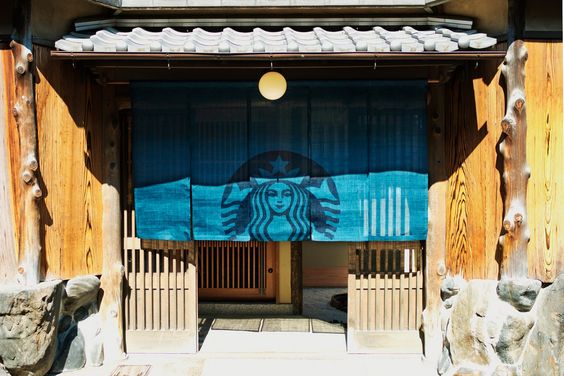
(511, 327)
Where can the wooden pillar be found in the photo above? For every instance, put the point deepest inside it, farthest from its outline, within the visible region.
(8, 240)
(435, 268)
(516, 172)
(111, 307)
(296, 277)
(24, 114)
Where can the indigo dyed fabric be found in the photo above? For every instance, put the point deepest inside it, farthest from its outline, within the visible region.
(164, 210)
(329, 161)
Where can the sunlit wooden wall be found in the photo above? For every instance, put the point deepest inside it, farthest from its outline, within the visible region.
(69, 116)
(475, 105)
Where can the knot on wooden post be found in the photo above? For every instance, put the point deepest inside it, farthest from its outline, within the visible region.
(27, 175)
(20, 68)
(508, 124)
(36, 191)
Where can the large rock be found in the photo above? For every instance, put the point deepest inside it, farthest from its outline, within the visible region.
(3, 370)
(470, 333)
(450, 286)
(28, 327)
(80, 291)
(513, 335)
(521, 293)
(93, 347)
(544, 352)
(70, 350)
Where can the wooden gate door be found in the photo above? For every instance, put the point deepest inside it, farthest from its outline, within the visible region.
(236, 270)
(161, 304)
(385, 297)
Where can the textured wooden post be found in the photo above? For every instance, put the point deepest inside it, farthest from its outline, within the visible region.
(296, 277)
(516, 172)
(24, 114)
(111, 307)
(435, 268)
(8, 241)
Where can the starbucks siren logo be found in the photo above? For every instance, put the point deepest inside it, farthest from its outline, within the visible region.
(278, 202)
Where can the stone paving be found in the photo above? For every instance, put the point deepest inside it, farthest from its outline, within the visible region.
(249, 353)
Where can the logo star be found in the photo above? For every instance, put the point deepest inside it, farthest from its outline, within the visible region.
(279, 166)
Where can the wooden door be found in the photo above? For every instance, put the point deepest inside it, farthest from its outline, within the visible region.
(385, 297)
(236, 270)
(161, 303)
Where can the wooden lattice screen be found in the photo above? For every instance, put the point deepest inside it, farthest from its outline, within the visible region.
(385, 295)
(161, 292)
(235, 270)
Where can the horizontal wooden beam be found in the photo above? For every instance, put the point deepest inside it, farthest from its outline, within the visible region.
(276, 57)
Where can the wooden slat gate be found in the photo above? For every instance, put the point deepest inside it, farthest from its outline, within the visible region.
(385, 297)
(161, 307)
(236, 270)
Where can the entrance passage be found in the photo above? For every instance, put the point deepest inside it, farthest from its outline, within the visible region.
(385, 297)
(236, 270)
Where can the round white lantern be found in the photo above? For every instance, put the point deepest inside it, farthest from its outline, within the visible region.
(272, 85)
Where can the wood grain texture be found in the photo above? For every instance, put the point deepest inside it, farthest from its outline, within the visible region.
(516, 172)
(545, 154)
(69, 133)
(435, 268)
(8, 233)
(111, 307)
(23, 111)
(474, 109)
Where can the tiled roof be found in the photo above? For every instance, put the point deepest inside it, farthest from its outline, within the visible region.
(286, 40)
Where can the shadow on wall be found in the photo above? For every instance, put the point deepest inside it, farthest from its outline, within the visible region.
(474, 205)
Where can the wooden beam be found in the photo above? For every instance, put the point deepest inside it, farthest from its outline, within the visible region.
(8, 240)
(296, 277)
(435, 268)
(24, 114)
(516, 172)
(111, 307)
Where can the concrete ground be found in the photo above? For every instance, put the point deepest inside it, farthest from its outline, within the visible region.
(266, 364)
(250, 353)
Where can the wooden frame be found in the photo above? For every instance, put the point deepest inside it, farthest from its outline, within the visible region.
(435, 268)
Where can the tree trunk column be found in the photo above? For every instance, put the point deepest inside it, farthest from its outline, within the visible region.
(111, 307)
(24, 114)
(516, 172)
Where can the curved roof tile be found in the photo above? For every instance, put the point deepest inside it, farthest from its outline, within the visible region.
(198, 40)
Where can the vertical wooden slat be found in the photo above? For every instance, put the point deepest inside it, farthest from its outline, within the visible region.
(134, 288)
(175, 304)
(371, 290)
(165, 316)
(248, 256)
(158, 305)
(227, 265)
(411, 286)
(142, 307)
(237, 266)
(215, 261)
(150, 303)
(184, 288)
(397, 292)
(192, 323)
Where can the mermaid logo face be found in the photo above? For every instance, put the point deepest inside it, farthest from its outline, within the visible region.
(278, 202)
(279, 197)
